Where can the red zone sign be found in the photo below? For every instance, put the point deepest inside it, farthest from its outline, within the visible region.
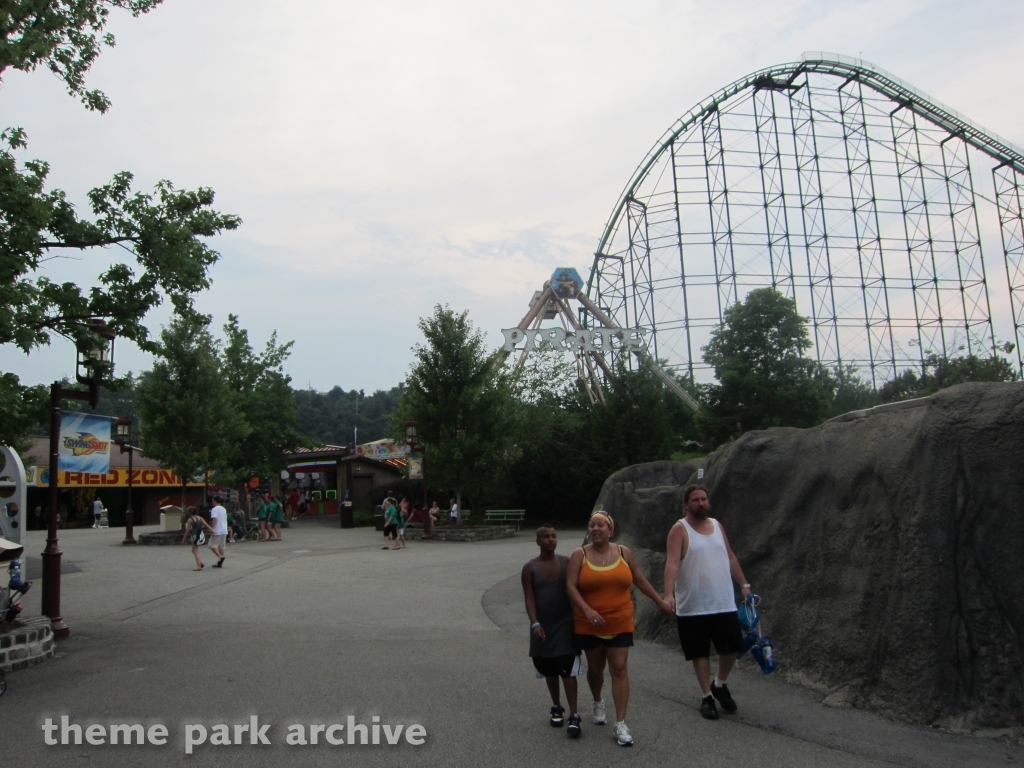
(116, 478)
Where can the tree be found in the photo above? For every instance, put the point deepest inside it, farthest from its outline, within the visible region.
(65, 36)
(161, 234)
(329, 417)
(462, 400)
(940, 372)
(763, 379)
(262, 397)
(186, 408)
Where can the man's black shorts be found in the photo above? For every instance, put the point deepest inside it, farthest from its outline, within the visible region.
(590, 642)
(697, 633)
(555, 666)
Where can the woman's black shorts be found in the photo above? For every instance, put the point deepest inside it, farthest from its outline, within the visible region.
(590, 642)
(697, 633)
(391, 530)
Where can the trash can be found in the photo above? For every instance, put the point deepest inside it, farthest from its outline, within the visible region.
(378, 517)
(347, 518)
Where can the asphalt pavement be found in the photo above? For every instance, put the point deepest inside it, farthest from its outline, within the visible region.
(325, 626)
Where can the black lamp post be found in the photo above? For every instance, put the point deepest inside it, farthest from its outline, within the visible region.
(123, 437)
(411, 437)
(95, 358)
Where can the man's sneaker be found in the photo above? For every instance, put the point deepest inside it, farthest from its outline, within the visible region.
(557, 717)
(574, 729)
(708, 710)
(622, 735)
(724, 697)
(599, 716)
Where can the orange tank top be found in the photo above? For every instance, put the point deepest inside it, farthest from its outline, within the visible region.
(605, 588)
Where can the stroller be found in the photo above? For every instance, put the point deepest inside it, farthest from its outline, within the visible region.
(10, 596)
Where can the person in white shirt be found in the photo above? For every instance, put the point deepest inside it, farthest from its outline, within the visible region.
(219, 516)
(97, 513)
(453, 512)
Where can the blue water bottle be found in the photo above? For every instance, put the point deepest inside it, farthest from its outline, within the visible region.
(767, 655)
(15, 570)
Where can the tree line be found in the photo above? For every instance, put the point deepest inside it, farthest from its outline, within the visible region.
(528, 436)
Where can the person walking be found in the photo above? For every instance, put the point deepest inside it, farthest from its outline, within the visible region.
(97, 512)
(551, 627)
(261, 515)
(275, 517)
(293, 504)
(219, 516)
(700, 567)
(194, 534)
(390, 528)
(402, 520)
(599, 581)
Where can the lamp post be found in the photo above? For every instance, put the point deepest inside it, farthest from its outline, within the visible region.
(95, 357)
(411, 437)
(123, 437)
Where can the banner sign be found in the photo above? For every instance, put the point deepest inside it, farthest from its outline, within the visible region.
(84, 443)
(566, 283)
(583, 340)
(382, 449)
(115, 478)
(415, 466)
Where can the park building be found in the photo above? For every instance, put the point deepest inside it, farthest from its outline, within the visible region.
(324, 476)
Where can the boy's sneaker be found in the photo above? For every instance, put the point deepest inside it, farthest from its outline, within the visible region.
(574, 729)
(557, 717)
(708, 710)
(599, 715)
(622, 735)
(724, 697)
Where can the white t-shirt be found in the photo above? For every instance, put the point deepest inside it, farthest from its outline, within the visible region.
(97, 507)
(219, 515)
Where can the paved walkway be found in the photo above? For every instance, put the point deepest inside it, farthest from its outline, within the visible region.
(325, 625)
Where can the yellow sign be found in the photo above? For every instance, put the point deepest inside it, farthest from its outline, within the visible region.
(115, 478)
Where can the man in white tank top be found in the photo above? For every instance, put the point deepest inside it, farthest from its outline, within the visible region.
(700, 567)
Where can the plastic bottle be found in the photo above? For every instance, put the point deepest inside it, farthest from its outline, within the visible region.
(768, 655)
(15, 570)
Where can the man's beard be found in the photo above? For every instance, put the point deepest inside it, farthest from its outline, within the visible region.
(700, 513)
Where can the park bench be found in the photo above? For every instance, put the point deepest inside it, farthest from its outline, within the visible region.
(493, 516)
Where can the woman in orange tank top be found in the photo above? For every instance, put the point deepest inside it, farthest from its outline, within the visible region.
(599, 579)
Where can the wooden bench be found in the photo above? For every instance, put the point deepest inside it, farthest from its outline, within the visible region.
(516, 516)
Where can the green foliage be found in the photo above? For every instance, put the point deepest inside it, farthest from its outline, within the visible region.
(187, 409)
(21, 408)
(328, 417)
(568, 447)
(262, 398)
(65, 36)
(161, 233)
(941, 372)
(846, 391)
(763, 379)
(462, 399)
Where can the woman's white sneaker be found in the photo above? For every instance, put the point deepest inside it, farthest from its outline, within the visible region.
(622, 735)
(599, 716)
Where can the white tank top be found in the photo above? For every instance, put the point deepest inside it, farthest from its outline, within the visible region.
(704, 582)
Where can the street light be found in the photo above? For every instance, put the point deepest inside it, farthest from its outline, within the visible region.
(123, 438)
(94, 359)
(411, 435)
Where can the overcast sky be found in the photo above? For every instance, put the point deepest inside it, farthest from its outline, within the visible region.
(388, 156)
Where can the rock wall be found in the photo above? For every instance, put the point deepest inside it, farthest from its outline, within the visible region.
(889, 551)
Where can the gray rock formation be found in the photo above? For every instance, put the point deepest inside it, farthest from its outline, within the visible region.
(889, 551)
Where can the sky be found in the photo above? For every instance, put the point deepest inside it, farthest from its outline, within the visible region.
(386, 157)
